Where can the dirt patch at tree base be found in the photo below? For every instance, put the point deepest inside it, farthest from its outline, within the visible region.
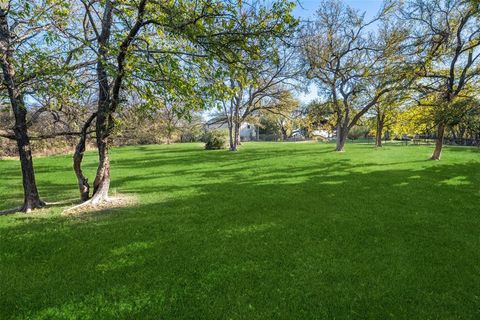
(118, 201)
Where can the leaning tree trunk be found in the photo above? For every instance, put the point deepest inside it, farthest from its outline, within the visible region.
(104, 124)
(439, 143)
(109, 94)
(83, 185)
(31, 197)
(101, 185)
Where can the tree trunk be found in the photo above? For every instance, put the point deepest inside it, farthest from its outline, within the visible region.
(104, 123)
(237, 135)
(378, 139)
(169, 135)
(379, 134)
(234, 138)
(439, 143)
(461, 134)
(234, 123)
(284, 133)
(83, 185)
(109, 94)
(101, 185)
(231, 136)
(454, 135)
(31, 197)
(342, 133)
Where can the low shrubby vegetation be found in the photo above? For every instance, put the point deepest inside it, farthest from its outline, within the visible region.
(216, 139)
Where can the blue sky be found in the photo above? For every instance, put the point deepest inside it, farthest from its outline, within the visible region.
(307, 9)
(371, 7)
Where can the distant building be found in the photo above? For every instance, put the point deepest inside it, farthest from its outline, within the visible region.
(248, 131)
(315, 134)
(323, 134)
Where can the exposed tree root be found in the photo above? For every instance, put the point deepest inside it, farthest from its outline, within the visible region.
(33, 205)
(118, 201)
(10, 211)
(26, 208)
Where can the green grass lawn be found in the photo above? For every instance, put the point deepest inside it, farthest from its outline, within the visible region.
(274, 231)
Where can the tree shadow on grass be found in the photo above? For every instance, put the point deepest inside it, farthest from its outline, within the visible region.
(462, 149)
(307, 241)
(56, 181)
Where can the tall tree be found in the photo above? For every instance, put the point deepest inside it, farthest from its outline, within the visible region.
(120, 34)
(352, 66)
(447, 35)
(259, 85)
(386, 112)
(28, 56)
(280, 117)
(318, 115)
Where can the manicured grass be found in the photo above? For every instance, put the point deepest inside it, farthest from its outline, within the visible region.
(274, 231)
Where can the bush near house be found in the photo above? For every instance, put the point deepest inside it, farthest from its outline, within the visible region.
(216, 139)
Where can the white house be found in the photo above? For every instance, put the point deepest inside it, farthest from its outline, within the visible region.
(316, 134)
(248, 131)
(323, 134)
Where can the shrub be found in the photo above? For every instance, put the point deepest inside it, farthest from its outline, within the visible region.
(216, 139)
(358, 132)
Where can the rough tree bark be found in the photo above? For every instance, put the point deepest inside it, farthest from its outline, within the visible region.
(109, 95)
(235, 137)
(231, 137)
(439, 143)
(31, 197)
(234, 130)
(83, 185)
(101, 184)
(342, 133)
(379, 134)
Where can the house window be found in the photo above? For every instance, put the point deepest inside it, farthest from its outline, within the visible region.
(248, 126)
